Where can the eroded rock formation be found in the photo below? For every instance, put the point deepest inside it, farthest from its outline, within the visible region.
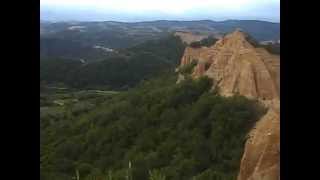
(261, 158)
(238, 67)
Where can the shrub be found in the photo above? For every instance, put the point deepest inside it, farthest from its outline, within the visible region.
(209, 41)
(188, 68)
(156, 175)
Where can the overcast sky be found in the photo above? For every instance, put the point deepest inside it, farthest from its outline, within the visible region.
(146, 10)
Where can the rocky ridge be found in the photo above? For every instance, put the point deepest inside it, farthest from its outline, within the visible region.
(238, 67)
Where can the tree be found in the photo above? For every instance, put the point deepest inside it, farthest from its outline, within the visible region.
(156, 175)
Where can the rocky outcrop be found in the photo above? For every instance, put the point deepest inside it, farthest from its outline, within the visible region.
(261, 158)
(238, 67)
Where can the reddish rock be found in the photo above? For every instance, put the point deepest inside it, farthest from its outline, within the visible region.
(239, 67)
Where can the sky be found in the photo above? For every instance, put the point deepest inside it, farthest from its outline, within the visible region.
(148, 10)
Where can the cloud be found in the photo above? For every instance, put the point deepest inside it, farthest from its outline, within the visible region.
(169, 8)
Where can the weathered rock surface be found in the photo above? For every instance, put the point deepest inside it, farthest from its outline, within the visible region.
(238, 67)
(261, 158)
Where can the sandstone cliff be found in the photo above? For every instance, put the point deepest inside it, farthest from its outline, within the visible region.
(239, 67)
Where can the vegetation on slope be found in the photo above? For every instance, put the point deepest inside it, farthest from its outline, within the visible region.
(273, 48)
(125, 70)
(209, 41)
(165, 130)
(187, 68)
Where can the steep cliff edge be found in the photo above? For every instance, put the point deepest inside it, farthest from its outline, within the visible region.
(237, 66)
(261, 158)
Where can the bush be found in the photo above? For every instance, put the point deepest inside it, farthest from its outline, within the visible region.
(156, 175)
(209, 41)
(188, 68)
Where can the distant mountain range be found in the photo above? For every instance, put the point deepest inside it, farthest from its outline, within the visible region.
(73, 39)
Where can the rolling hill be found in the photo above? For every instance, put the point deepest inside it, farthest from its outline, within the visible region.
(76, 40)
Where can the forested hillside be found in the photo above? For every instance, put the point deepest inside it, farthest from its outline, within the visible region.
(173, 131)
(120, 71)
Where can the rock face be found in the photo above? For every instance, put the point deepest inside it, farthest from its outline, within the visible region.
(238, 67)
(261, 159)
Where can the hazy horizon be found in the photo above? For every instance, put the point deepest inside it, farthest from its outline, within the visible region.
(138, 21)
(143, 10)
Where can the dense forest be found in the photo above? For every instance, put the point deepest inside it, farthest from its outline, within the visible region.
(120, 71)
(162, 129)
